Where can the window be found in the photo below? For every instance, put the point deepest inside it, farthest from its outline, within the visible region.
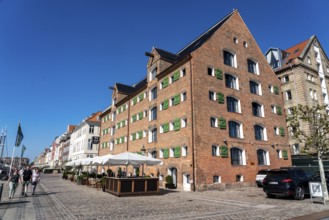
(315, 95)
(252, 67)
(288, 95)
(182, 72)
(235, 129)
(276, 131)
(229, 59)
(231, 81)
(212, 95)
(295, 148)
(235, 40)
(153, 135)
(211, 71)
(91, 129)
(273, 109)
(270, 89)
(184, 151)
(255, 88)
(245, 44)
(213, 122)
(153, 94)
(263, 157)
(279, 153)
(184, 122)
(152, 154)
(232, 104)
(285, 79)
(111, 145)
(183, 96)
(90, 144)
(311, 93)
(216, 179)
(171, 152)
(257, 110)
(260, 133)
(308, 60)
(237, 156)
(153, 74)
(153, 114)
(215, 150)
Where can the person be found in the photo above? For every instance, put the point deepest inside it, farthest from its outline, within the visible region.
(35, 179)
(13, 182)
(26, 179)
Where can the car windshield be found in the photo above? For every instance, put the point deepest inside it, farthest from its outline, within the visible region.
(262, 172)
(278, 173)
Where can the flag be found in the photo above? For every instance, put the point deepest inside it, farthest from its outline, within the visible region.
(23, 150)
(19, 136)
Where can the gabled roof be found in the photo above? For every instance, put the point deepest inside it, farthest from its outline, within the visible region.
(124, 88)
(94, 117)
(167, 54)
(295, 52)
(204, 37)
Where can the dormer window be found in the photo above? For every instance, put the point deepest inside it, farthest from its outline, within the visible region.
(153, 74)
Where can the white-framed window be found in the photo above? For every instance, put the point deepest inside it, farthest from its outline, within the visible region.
(315, 95)
(171, 152)
(252, 67)
(288, 95)
(273, 109)
(276, 131)
(213, 122)
(153, 113)
(231, 81)
(235, 129)
(212, 95)
(153, 135)
(239, 178)
(111, 145)
(229, 59)
(263, 157)
(255, 87)
(289, 111)
(257, 109)
(233, 104)
(171, 101)
(295, 148)
(184, 151)
(238, 156)
(152, 154)
(211, 71)
(171, 126)
(153, 93)
(285, 79)
(235, 40)
(311, 93)
(161, 153)
(153, 74)
(215, 151)
(217, 179)
(245, 44)
(271, 88)
(183, 96)
(183, 72)
(279, 153)
(308, 60)
(184, 122)
(260, 133)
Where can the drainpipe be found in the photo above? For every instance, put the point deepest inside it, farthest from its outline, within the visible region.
(193, 128)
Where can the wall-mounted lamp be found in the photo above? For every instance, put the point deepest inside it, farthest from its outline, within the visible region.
(272, 145)
(225, 141)
(143, 150)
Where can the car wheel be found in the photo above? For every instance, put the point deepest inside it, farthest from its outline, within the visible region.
(269, 195)
(299, 193)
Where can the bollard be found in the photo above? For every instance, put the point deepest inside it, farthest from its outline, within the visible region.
(1, 187)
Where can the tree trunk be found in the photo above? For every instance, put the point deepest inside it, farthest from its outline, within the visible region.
(323, 178)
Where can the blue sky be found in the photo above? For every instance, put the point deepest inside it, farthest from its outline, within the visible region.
(58, 57)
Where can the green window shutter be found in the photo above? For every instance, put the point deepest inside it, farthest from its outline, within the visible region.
(176, 75)
(282, 133)
(134, 100)
(224, 151)
(122, 139)
(141, 97)
(140, 115)
(165, 104)
(165, 82)
(140, 134)
(165, 127)
(134, 118)
(133, 136)
(123, 123)
(219, 74)
(176, 99)
(285, 154)
(220, 98)
(276, 90)
(222, 123)
(177, 124)
(177, 151)
(279, 110)
(165, 153)
(118, 140)
(118, 125)
(123, 107)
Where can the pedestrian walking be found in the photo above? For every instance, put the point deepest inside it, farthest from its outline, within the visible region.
(35, 179)
(13, 182)
(26, 179)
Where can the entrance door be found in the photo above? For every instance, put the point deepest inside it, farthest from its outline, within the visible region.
(186, 182)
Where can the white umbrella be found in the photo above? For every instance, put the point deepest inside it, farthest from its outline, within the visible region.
(128, 158)
(101, 160)
(86, 161)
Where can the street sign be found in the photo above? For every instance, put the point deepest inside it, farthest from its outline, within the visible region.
(316, 190)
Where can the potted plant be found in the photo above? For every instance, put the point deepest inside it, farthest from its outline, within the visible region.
(109, 172)
(119, 172)
(169, 182)
(79, 179)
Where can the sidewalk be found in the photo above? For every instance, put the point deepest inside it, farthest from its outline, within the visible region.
(56, 198)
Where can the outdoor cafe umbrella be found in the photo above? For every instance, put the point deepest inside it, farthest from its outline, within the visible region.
(128, 158)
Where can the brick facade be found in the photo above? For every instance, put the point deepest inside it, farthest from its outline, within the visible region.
(183, 126)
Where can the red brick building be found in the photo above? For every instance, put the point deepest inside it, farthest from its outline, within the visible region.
(211, 112)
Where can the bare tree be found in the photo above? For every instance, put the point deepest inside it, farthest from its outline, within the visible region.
(310, 126)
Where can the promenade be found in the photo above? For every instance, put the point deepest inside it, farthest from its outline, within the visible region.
(61, 199)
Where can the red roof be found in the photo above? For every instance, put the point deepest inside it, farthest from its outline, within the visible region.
(294, 52)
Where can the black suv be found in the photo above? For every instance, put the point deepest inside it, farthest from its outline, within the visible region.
(287, 182)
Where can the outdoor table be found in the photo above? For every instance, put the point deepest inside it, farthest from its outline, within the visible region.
(132, 186)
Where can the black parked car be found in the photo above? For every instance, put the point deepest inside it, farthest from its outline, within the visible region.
(289, 182)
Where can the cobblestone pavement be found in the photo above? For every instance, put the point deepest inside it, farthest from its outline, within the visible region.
(62, 199)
